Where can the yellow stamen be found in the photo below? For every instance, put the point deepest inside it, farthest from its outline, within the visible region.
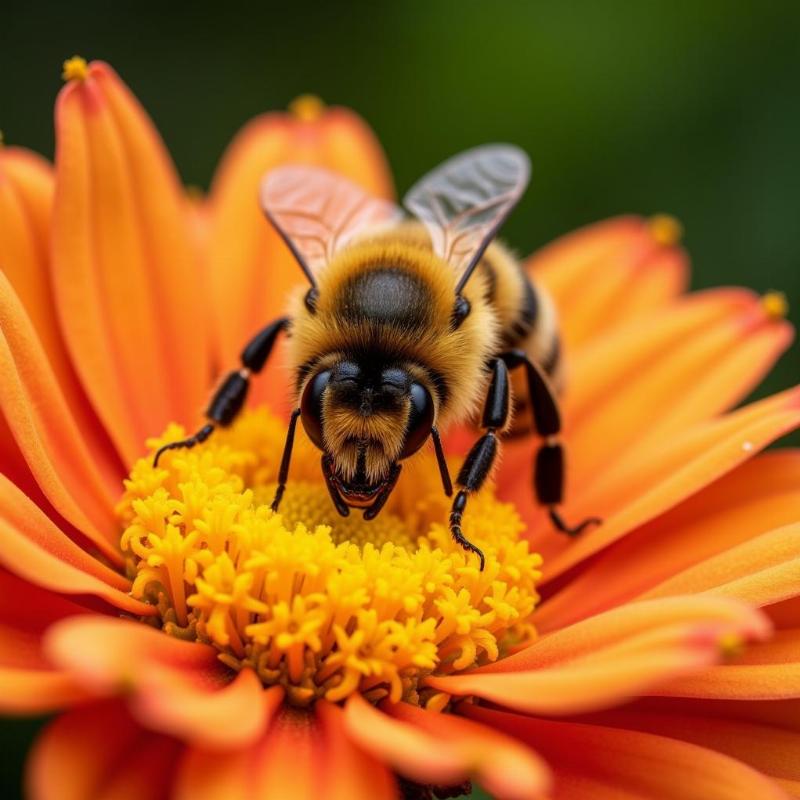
(775, 305)
(665, 229)
(731, 645)
(321, 605)
(75, 69)
(2, 139)
(307, 107)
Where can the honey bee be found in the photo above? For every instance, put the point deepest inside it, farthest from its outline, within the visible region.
(408, 326)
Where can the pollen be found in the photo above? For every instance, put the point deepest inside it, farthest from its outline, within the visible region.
(75, 69)
(665, 229)
(323, 605)
(307, 107)
(775, 305)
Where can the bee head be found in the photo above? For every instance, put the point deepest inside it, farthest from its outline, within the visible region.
(365, 418)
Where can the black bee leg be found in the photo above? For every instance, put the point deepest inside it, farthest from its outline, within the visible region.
(229, 397)
(479, 461)
(383, 494)
(286, 460)
(447, 484)
(327, 471)
(549, 466)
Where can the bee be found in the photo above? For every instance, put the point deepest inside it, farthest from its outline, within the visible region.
(408, 326)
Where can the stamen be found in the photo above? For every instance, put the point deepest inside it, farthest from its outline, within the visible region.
(665, 229)
(75, 69)
(775, 305)
(321, 605)
(307, 108)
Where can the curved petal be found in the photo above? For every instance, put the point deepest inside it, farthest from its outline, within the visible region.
(408, 749)
(28, 682)
(444, 750)
(770, 747)
(657, 387)
(26, 200)
(35, 549)
(285, 762)
(593, 762)
(251, 271)
(604, 660)
(761, 571)
(174, 686)
(757, 496)
(590, 273)
(98, 752)
(650, 484)
(767, 671)
(124, 270)
(46, 433)
(502, 767)
(348, 772)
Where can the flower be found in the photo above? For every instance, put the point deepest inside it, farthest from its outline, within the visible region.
(200, 646)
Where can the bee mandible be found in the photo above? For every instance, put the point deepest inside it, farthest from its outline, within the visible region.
(408, 326)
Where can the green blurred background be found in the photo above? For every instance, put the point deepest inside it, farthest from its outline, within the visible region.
(686, 107)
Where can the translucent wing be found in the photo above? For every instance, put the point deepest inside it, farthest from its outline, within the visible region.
(464, 202)
(317, 212)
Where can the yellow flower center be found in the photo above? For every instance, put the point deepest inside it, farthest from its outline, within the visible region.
(75, 69)
(321, 604)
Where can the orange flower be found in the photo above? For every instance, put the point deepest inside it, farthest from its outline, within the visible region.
(201, 646)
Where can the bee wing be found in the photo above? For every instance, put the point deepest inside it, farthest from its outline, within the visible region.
(464, 201)
(317, 212)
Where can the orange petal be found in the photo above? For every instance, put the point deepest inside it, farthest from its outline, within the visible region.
(766, 671)
(773, 749)
(655, 482)
(606, 659)
(28, 682)
(757, 496)
(593, 762)
(98, 752)
(349, 773)
(286, 762)
(589, 273)
(124, 269)
(175, 686)
(26, 200)
(35, 549)
(503, 767)
(760, 571)
(655, 386)
(47, 434)
(251, 271)
(407, 748)
(445, 750)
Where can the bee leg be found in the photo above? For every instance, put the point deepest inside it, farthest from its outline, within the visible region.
(229, 397)
(286, 459)
(383, 495)
(327, 471)
(549, 465)
(447, 484)
(478, 463)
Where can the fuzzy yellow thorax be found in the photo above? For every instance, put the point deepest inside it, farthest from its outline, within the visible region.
(322, 605)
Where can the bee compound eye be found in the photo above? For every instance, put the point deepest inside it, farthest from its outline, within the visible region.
(311, 406)
(420, 420)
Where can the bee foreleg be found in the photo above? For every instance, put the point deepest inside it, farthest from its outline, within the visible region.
(447, 484)
(549, 466)
(480, 459)
(229, 398)
(286, 459)
(327, 472)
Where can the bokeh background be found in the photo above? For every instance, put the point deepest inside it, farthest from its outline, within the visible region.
(687, 107)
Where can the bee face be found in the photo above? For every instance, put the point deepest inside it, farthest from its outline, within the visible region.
(365, 419)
